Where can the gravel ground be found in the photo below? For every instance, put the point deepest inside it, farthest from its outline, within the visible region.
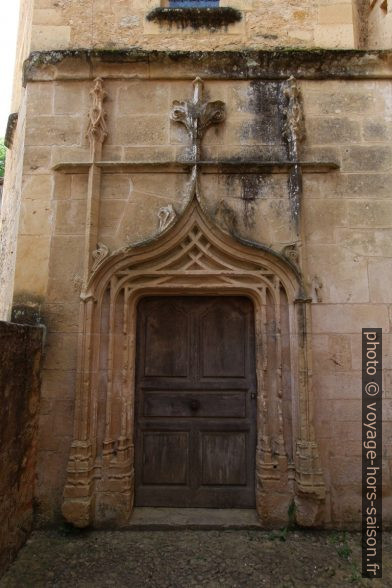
(182, 558)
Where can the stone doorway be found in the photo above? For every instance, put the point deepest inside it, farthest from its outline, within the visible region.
(194, 257)
(195, 410)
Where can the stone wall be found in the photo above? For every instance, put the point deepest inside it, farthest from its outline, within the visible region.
(346, 216)
(20, 359)
(267, 23)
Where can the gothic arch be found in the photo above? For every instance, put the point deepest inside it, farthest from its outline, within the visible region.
(192, 257)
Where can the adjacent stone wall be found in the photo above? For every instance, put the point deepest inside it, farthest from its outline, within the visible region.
(265, 23)
(348, 220)
(20, 359)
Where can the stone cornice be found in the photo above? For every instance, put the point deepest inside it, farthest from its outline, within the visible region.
(317, 64)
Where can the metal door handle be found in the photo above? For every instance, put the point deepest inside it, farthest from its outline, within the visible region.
(194, 404)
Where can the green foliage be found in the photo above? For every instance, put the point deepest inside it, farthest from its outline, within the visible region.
(3, 150)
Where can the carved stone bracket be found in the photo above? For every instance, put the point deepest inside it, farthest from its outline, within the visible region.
(100, 253)
(166, 216)
(291, 252)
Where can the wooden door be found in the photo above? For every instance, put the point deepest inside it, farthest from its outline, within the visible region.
(195, 402)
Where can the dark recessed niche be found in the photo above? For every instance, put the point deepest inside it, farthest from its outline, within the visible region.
(196, 18)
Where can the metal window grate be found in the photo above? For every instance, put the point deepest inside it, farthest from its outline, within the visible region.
(193, 3)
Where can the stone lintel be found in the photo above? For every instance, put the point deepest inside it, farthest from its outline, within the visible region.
(317, 64)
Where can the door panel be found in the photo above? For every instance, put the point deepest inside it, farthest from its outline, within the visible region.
(195, 432)
(224, 458)
(165, 457)
(166, 342)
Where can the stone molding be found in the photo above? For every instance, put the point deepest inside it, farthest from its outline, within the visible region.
(318, 64)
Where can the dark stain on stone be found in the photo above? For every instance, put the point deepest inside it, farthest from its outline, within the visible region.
(225, 216)
(26, 310)
(196, 18)
(264, 104)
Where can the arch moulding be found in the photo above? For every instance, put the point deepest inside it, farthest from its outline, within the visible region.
(193, 257)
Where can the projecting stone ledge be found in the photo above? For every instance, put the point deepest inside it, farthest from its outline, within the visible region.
(206, 167)
(318, 64)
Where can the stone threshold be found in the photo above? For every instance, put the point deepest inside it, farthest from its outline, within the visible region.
(148, 518)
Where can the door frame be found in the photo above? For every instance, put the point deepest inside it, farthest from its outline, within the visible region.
(193, 258)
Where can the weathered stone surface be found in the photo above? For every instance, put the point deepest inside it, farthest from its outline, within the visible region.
(20, 359)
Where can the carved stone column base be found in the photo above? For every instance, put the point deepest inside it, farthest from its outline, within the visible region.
(274, 490)
(115, 495)
(78, 504)
(309, 485)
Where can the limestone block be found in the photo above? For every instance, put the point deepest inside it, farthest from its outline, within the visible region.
(339, 348)
(37, 187)
(50, 37)
(323, 217)
(37, 160)
(39, 99)
(380, 277)
(61, 351)
(365, 242)
(346, 318)
(36, 218)
(369, 158)
(339, 98)
(70, 217)
(32, 264)
(47, 16)
(336, 13)
(58, 383)
(333, 386)
(377, 130)
(143, 98)
(140, 130)
(71, 98)
(335, 36)
(344, 276)
(369, 213)
(322, 131)
(54, 130)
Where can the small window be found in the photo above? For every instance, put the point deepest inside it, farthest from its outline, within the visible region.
(193, 3)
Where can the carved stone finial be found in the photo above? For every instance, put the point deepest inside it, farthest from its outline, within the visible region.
(197, 115)
(166, 216)
(294, 127)
(101, 253)
(97, 129)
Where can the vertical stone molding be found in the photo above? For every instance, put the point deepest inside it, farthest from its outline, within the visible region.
(97, 133)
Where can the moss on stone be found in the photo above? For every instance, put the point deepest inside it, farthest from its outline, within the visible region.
(196, 18)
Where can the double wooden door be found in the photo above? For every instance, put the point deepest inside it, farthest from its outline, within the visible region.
(195, 431)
